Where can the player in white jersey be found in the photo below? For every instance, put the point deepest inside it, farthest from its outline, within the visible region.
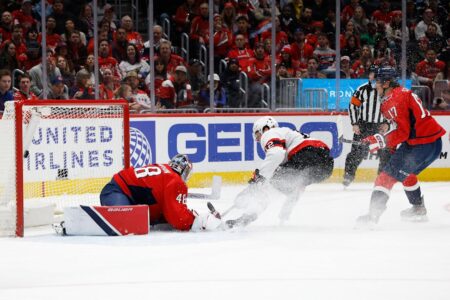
(293, 161)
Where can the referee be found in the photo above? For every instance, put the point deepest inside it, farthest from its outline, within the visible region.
(365, 115)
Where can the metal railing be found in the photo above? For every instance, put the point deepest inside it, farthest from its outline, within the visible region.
(185, 46)
(265, 95)
(166, 27)
(203, 59)
(287, 92)
(135, 14)
(222, 66)
(172, 111)
(13, 76)
(313, 99)
(243, 87)
(236, 110)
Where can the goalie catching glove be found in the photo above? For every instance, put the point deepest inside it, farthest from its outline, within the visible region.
(375, 142)
(256, 178)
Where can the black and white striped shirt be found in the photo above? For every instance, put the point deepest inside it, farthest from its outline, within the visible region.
(365, 106)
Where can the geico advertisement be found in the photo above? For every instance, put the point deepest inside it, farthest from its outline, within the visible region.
(221, 144)
(74, 148)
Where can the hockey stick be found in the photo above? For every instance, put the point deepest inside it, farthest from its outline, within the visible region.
(340, 131)
(215, 190)
(243, 220)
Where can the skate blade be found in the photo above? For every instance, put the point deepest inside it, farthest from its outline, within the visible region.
(415, 219)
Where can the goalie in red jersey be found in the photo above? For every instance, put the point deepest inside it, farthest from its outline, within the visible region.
(163, 188)
(415, 138)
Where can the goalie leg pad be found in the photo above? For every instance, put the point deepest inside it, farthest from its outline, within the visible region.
(106, 220)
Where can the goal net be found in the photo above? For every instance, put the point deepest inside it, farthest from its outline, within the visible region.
(56, 154)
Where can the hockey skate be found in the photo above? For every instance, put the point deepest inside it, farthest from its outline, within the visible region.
(347, 181)
(416, 213)
(368, 221)
(242, 221)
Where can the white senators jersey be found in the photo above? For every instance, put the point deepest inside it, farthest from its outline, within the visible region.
(280, 144)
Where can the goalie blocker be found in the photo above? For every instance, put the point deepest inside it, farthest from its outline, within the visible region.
(105, 220)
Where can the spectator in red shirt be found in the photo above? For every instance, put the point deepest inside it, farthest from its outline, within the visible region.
(362, 64)
(281, 37)
(199, 33)
(176, 91)
(168, 58)
(6, 26)
(259, 71)
(223, 40)
(348, 10)
(18, 40)
(243, 8)
(384, 12)
(285, 57)
(160, 74)
(241, 52)
(108, 85)
(105, 60)
(229, 16)
(24, 93)
(184, 15)
(133, 37)
(428, 68)
(301, 50)
(76, 50)
(24, 17)
(52, 38)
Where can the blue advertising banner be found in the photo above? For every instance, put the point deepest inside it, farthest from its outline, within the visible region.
(347, 88)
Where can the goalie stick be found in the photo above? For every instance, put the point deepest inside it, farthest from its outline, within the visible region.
(215, 190)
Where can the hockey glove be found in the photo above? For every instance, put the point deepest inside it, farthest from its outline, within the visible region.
(207, 221)
(375, 142)
(256, 177)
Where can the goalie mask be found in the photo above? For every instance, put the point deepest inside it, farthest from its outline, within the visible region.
(261, 123)
(181, 164)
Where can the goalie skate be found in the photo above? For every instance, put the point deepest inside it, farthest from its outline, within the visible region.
(416, 213)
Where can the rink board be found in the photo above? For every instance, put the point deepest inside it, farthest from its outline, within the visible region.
(222, 144)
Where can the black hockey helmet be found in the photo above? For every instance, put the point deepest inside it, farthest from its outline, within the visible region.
(387, 73)
(181, 164)
(374, 69)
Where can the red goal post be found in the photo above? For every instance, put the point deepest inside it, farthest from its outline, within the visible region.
(59, 152)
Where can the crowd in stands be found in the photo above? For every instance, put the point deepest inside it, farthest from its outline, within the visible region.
(305, 48)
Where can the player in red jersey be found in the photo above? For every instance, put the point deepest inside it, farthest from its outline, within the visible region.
(415, 136)
(162, 187)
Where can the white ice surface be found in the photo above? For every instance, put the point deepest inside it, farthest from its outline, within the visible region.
(316, 255)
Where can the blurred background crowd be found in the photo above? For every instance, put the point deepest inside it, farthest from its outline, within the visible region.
(305, 46)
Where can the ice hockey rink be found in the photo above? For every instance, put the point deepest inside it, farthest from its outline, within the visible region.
(318, 254)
